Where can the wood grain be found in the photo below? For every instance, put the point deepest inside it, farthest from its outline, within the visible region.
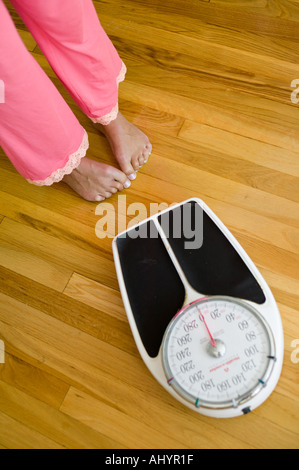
(210, 83)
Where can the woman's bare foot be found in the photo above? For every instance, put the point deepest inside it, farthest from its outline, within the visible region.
(131, 147)
(96, 181)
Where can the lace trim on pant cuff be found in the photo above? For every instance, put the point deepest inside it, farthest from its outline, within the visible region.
(104, 120)
(72, 163)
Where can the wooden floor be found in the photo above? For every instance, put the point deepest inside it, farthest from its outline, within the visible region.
(210, 83)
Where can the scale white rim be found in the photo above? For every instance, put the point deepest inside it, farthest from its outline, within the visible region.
(268, 310)
(245, 397)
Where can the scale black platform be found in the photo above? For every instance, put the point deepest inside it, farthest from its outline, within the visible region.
(204, 320)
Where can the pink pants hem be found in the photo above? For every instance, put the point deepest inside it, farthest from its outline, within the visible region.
(111, 115)
(38, 131)
(74, 159)
(73, 162)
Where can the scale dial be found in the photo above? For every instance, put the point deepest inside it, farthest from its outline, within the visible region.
(218, 352)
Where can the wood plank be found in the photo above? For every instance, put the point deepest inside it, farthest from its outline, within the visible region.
(31, 380)
(214, 60)
(14, 435)
(34, 268)
(95, 320)
(256, 118)
(222, 16)
(51, 423)
(176, 427)
(189, 26)
(14, 257)
(57, 339)
(223, 101)
(206, 186)
(184, 431)
(74, 207)
(285, 287)
(71, 230)
(210, 90)
(54, 259)
(27, 337)
(28, 40)
(117, 425)
(92, 293)
(242, 147)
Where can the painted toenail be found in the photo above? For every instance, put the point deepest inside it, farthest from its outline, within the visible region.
(127, 184)
(132, 176)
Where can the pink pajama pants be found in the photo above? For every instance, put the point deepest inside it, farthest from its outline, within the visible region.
(38, 131)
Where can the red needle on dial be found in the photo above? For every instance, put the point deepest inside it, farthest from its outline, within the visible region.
(213, 342)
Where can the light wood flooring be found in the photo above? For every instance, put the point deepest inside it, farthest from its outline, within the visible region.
(210, 83)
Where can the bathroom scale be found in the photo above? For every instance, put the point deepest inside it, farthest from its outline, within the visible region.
(204, 320)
